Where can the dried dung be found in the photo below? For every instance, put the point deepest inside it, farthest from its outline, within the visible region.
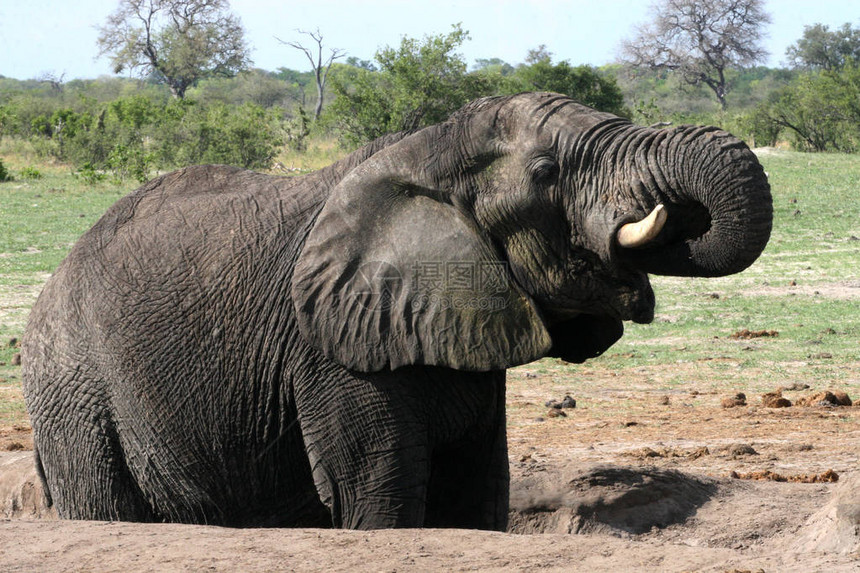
(775, 400)
(829, 476)
(826, 398)
(749, 334)
(739, 399)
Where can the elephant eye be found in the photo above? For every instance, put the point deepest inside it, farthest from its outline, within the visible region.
(544, 170)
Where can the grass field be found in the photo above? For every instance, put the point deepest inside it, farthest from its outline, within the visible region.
(805, 288)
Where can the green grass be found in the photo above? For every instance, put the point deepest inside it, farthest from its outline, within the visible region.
(800, 287)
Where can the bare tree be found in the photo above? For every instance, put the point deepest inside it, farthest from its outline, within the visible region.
(54, 80)
(320, 67)
(180, 41)
(700, 39)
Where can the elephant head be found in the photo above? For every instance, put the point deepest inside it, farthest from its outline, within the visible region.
(522, 227)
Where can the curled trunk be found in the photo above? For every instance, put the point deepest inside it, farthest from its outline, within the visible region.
(716, 196)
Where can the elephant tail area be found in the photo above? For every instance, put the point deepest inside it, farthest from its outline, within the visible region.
(40, 471)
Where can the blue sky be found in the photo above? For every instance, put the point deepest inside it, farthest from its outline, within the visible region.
(58, 36)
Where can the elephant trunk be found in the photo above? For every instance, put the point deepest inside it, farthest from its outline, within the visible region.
(716, 197)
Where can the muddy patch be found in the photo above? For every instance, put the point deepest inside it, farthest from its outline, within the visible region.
(607, 499)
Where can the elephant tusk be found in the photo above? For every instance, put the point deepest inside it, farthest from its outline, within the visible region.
(639, 234)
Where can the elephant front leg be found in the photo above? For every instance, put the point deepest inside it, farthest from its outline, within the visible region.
(369, 452)
(470, 479)
(381, 491)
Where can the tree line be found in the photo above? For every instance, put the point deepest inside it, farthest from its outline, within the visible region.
(197, 100)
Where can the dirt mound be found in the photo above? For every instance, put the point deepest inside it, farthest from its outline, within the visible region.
(836, 527)
(21, 494)
(606, 499)
(737, 526)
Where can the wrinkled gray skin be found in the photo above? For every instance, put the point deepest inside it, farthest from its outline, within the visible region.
(234, 348)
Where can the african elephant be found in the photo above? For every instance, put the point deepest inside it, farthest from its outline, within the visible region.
(235, 348)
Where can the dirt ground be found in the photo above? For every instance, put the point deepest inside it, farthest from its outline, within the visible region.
(632, 478)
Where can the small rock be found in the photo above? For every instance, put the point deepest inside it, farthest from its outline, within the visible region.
(14, 447)
(556, 413)
(736, 450)
(567, 402)
(664, 401)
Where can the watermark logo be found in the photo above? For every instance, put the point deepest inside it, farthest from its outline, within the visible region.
(377, 285)
(461, 285)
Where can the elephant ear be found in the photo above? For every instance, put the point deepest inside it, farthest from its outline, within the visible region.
(392, 274)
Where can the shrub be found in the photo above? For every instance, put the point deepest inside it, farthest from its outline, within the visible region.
(819, 110)
(4, 173)
(31, 172)
(245, 136)
(129, 162)
(89, 174)
(418, 84)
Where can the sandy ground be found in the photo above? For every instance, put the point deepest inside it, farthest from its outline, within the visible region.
(631, 479)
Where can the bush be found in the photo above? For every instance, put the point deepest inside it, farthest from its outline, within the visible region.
(297, 130)
(4, 173)
(245, 136)
(129, 162)
(133, 135)
(89, 174)
(583, 83)
(819, 110)
(31, 172)
(418, 84)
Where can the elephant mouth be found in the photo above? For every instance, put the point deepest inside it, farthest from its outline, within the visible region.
(635, 302)
(626, 297)
(583, 337)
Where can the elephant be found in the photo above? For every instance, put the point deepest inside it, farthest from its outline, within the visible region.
(243, 349)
